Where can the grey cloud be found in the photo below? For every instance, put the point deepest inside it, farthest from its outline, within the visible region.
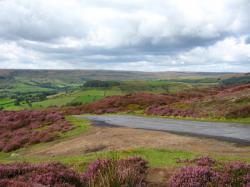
(32, 20)
(247, 40)
(163, 33)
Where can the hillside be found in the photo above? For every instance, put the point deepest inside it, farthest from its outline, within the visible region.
(79, 75)
(42, 127)
(215, 102)
(27, 89)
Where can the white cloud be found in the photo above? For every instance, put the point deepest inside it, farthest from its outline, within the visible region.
(12, 52)
(159, 35)
(229, 50)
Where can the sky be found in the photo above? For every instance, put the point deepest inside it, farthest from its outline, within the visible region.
(138, 35)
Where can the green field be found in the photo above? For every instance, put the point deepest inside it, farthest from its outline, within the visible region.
(65, 95)
(62, 99)
(34, 89)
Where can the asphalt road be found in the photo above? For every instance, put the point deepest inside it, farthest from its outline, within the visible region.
(238, 133)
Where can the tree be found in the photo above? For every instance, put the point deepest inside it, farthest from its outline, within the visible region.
(17, 102)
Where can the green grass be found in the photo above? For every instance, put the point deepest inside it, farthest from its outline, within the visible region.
(5, 101)
(91, 95)
(4, 157)
(153, 86)
(77, 95)
(24, 88)
(83, 96)
(81, 126)
(155, 157)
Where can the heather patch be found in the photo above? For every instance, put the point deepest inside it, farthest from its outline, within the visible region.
(113, 172)
(206, 172)
(166, 111)
(239, 112)
(21, 128)
(102, 172)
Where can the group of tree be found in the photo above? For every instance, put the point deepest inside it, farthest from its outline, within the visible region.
(236, 80)
(100, 84)
(29, 98)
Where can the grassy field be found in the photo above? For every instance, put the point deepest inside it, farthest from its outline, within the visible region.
(62, 99)
(67, 85)
(76, 94)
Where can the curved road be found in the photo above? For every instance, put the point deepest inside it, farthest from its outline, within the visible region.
(238, 133)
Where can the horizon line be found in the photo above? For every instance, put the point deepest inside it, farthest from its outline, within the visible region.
(79, 69)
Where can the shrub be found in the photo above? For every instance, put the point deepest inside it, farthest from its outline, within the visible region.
(103, 172)
(207, 172)
(201, 161)
(74, 103)
(235, 174)
(112, 172)
(24, 174)
(122, 103)
(100, 84)
(20, 128)
(193, 176)
(166, 111)
(240, 112)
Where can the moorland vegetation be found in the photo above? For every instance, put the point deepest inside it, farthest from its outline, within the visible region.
(36, 110)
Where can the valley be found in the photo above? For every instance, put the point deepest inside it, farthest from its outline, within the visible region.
(161, 121)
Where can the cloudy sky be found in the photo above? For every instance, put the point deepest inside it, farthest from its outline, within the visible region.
(141, 35)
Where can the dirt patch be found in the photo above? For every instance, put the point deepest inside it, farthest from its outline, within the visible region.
(159, 176)
(95, 149)
(107, 139)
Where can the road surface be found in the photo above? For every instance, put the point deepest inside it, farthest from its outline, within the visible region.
(238, 133)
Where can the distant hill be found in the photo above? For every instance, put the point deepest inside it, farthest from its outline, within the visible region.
(22, 83)
(237, 80)
(77, 76)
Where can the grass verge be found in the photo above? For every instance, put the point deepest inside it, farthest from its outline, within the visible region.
(81, 126)
(155, 157)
